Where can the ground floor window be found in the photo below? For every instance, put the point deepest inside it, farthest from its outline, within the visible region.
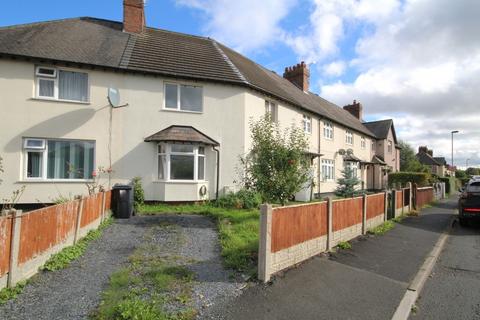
(353, 166)
(181, 162)
(328, 170)
(52, 159)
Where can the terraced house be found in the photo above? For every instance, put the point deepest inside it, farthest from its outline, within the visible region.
(174, 109)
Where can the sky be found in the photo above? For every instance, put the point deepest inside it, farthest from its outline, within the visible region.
(416, 61)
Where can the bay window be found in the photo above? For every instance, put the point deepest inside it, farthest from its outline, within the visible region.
(58, 84)
(181, 162)
(183, 97)
(49, 159)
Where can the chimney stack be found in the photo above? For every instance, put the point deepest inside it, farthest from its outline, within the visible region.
(133, 16)
(299, 75)
(422, 149)
(355, 109)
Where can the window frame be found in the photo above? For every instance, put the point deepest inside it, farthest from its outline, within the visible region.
(349, 137)
(271, 107)
(167, 168)
(363, 142)
(353, 165)
(307, 124)
(55, 79)
(328, 127)
(328, 163)
(179, 98)
(44, 160)
(389, 146)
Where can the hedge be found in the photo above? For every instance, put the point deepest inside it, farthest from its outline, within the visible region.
(402, 178)
(450, 184)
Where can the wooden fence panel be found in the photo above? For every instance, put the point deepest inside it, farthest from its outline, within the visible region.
(108, 200)
(375, 205)
(44, 228)
(5, 241)
(92, 209)
(399, 198)
(423, 197)
(347, 213)
(297, 224)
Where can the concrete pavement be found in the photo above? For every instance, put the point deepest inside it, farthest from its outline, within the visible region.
(453, 289)
(366, 282)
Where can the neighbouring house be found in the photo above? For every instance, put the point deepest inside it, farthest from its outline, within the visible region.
(437, 165)
(180, 116)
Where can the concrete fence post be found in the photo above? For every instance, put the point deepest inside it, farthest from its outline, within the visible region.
(265, 243)
(393, 210)
(330, 223)
(410, 196)
(14, 248)
(78, 221)
(364, 214)
(385, 215)
(102, 217)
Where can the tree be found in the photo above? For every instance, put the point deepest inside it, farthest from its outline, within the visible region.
(276, 166)
(346, 184)
(472, 171)
(408, 159)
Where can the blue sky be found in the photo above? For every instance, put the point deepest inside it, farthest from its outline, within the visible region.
(416, 61)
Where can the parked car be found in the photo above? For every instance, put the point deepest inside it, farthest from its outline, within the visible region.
(469, 202)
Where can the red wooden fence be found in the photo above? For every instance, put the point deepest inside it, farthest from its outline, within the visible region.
(5, 241)
(423, 196)
(347, 213)
(297, 224)
(399, 199)
(92, 209)
(375, 205)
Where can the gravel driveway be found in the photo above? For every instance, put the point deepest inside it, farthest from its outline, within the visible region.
(73, 293)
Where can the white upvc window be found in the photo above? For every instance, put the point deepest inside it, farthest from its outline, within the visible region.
(328, 170)
(55, 159)
(307, 124)
(363, 143)
(328, 130)
(183, 97)
(390, 146)
(62, 85)
(271, 109)
(353, 167)
(374, 145)
(181, 162)
(349, 137)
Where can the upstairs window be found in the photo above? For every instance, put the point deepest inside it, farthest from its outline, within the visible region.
(328, 130)
(57, 84)
(271, 110)
(307, 124)
(349, 137)
(389, 146)
(363, 143)
(183, 97)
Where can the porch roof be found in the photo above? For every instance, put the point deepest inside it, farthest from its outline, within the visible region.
(183, 134)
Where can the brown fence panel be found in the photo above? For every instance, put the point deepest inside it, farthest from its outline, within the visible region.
(108, 200)
(399, 199)
(294, 225)
(92, 209)
(375, 205)
(347, 213)
(5, 241)
(423, 197)
(44, 228)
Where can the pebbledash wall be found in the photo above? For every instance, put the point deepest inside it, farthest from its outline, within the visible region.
(28, 240)
(292, 234)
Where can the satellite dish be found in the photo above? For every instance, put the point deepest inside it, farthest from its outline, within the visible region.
(114, 98)
(341, 152)
(349, 151)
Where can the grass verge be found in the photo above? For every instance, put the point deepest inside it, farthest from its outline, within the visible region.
(154, 285)
(238, 231)
(383, 228)
(63, 258)
(11, 293)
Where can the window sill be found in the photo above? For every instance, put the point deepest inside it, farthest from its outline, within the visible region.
(60, 101)
(55, 181)
(182, 111)
(180, 181)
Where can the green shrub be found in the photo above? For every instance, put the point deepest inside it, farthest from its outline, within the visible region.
(243, 199)
(420, 178)
(450, 184)
(138, 193)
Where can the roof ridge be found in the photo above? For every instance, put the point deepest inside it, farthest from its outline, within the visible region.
(384, 120)
(21, 25)
(179, 33)
(229, 62)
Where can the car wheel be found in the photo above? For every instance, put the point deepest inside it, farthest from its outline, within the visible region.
(463, 222)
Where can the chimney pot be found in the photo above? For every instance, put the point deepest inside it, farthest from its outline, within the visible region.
(355, 109)
(299, 75)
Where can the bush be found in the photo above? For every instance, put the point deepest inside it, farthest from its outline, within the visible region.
(138, 193)
(243, 199)
(402, 178)
(450, 184)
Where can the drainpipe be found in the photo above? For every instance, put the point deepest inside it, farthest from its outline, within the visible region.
(319, 169)
(218, 172)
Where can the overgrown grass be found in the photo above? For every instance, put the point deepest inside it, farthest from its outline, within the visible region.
(11, 293)
(383, 228)
(153, 286)
(344, 245)
(238, 229)
(63, 258)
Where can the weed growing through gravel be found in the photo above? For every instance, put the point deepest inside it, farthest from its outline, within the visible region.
(398, 219)
(238, 231)
(153, 286)
(62, 259)
(11, 293)
(344, 245)
(383, 228)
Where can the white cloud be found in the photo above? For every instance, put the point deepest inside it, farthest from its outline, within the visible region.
(245, 25)
(334, 69)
